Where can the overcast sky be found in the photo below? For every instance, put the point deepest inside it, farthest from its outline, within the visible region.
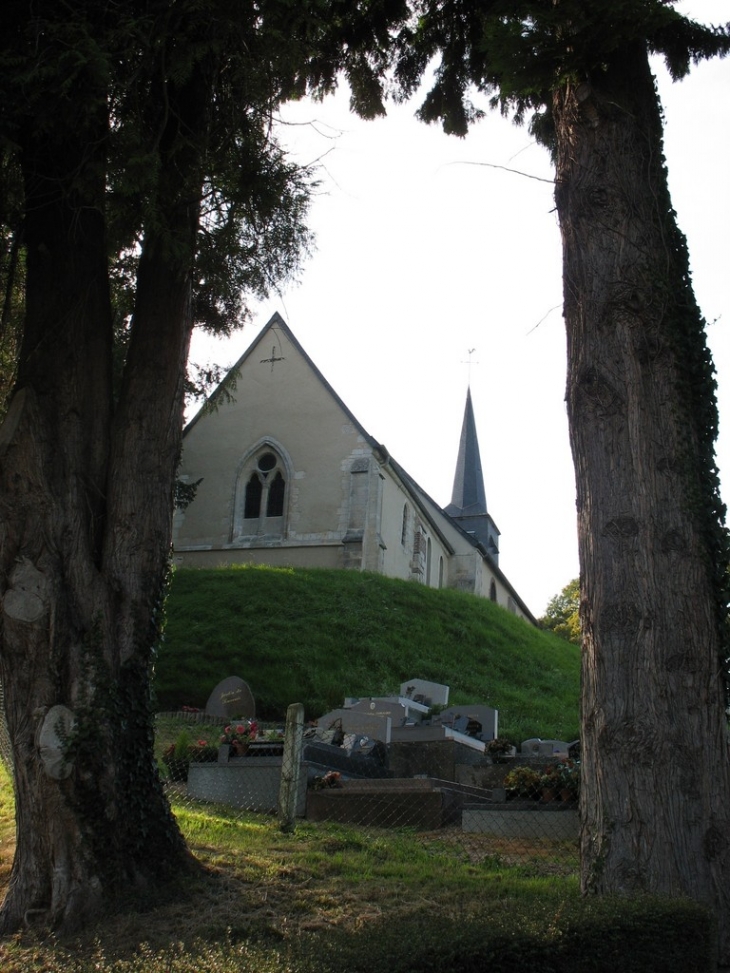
(428, 247)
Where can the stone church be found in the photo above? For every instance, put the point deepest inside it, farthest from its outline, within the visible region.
(287, 476)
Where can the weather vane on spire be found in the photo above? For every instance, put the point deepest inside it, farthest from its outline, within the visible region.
(470, 352)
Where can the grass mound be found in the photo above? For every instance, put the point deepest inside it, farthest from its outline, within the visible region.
(316, 636)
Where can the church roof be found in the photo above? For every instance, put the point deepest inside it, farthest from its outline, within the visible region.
(468, 497)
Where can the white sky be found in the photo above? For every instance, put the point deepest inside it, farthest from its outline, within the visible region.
(424, 252)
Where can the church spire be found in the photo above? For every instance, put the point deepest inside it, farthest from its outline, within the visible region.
(468, 495)
(468, 498)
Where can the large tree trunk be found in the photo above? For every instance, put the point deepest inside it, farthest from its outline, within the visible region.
(655, 799)
(85, 521)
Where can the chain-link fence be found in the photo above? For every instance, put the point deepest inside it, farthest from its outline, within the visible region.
(517, 806)
(522, 807)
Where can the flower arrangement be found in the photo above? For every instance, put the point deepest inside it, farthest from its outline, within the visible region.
(333, 778)
(564, 777)
(569, 774)
(239, 735)
(522, 781)
(178, 756)
(499, 749)
(550, 779)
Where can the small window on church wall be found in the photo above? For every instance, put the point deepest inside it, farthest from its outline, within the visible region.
(493, 591)
(252, 502)
(275, 500)
(441, 572)
(404, 526)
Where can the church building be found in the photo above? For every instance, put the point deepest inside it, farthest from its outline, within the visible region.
(287, 476)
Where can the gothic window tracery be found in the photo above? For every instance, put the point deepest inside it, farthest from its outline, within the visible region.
(261, 494)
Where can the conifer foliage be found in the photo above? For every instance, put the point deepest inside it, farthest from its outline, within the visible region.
(149, 195)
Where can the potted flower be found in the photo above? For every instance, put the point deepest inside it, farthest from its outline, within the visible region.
(522, 781)
(175, 757)
(239, 736)
(500, 750)
(550, 783)
(569, 780)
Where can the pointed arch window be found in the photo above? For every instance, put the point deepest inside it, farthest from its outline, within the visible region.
(252, 502)
(493, 591)
(275, 499)
(261, 494)
(404, 526)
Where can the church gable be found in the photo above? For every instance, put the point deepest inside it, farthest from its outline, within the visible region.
(276, 460)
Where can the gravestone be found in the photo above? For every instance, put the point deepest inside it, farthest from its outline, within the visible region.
(230, 699)
(535, 747)
(480, 722)
(399, 711)
(413, 712)
(355, 722)
(428, 693)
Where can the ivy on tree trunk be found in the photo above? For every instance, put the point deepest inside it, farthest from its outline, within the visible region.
(640, 393)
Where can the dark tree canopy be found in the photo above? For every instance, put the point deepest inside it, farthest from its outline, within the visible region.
(142, 193)
(520, 51)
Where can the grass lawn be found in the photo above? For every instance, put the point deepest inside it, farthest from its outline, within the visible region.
(269, 900)
(330, 898)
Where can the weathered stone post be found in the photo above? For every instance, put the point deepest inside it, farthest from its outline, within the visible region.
(291, 765)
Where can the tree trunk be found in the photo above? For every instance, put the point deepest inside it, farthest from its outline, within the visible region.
(655, 798)
(85, 522)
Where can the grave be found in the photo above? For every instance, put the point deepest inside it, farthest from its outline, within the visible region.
(479, 722)
(249, 782)
(401, 710)
(427, 693)
(353, 721)
(535, 747)
(417, 802)
(552, 821)
(231, 699)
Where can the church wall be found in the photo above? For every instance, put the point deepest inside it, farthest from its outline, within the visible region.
(313, 556)
(282, 401)
(407, 553)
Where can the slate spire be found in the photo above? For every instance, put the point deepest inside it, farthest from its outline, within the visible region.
(468, 498)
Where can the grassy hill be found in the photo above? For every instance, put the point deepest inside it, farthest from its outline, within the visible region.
(316, 636)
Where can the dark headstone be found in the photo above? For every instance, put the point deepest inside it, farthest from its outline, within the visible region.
(230, 699)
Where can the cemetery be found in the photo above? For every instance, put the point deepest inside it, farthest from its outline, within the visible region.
(408, 760)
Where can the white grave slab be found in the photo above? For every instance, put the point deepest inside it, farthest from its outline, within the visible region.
(428, 693)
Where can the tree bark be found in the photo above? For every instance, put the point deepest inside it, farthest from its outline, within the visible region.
(655, 798)
(85, 523)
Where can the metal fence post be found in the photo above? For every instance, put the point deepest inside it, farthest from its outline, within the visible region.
(291, 766)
